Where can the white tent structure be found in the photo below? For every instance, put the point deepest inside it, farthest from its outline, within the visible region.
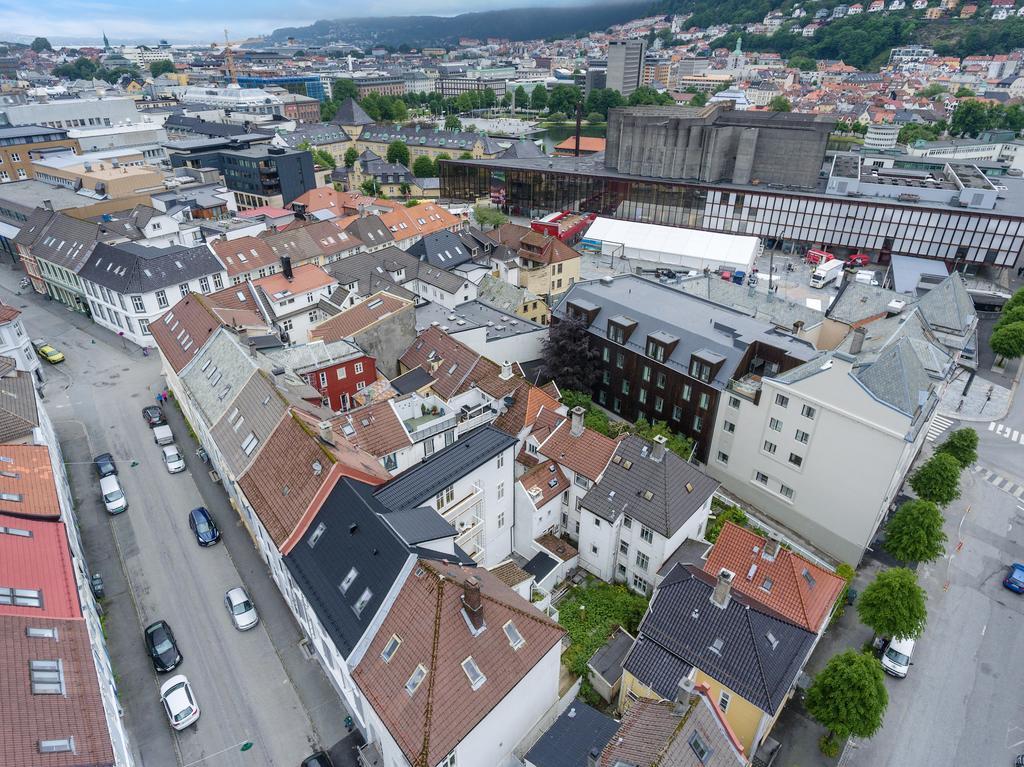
(672, 247)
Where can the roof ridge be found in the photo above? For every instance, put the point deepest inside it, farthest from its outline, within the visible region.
(799, 592)
(757, 655)
(423, 760)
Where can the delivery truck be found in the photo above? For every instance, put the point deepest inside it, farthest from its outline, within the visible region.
(827, 273)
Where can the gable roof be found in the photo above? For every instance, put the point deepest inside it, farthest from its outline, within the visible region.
(548, 479)
(422, 482)
(683, 627)
(948, 306)
(526, 405)
(65, 241)
(350, 113)
(19, 413)
(375, 428)
(347, 538)
(588, 454)
(778, 581)
(897, 377)
(570, 739)
(359, 317)
(181, 332)
(129, 268)
(370, 230)
(678, 489)
(243, 254)
(449, 361)
(427, 616)
(444, 250)
(28, 474)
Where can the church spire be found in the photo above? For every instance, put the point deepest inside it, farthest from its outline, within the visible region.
(106, 42)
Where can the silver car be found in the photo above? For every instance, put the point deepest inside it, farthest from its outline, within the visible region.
(113, 496)
(173, 459)
(241, 609)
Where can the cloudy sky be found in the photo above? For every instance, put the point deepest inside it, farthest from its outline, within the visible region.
(84, 21)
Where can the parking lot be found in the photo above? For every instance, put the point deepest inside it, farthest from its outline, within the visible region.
(254, 687)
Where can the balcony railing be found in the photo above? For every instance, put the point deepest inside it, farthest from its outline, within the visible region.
(428, 425)
(748, 387)
(468, 503)
(467, 528)
(485, 417)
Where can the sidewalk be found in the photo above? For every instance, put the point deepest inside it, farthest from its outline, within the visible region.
(984, 401)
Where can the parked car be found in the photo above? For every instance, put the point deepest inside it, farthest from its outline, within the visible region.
(241, 609)
(105, 465)
(113, 495)
(47, 352)
(162, 648)
(319, 759)
(153, 416)
(163, 435)
(1014, 580)
(857, 259)
(179, 702)
(896, 658)
(203, 526)
(173, 459)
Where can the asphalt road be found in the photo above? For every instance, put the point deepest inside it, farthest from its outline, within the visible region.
(251, 687)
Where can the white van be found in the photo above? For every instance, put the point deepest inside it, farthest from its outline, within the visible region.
(113, 495)
(897, 655)
(163, 435)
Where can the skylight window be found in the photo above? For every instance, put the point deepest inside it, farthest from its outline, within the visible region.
(809, 578)
(473, 672)
(648, 495)
(35, 632)
(390, 648)
(717, 646)
(515, 639)
(21, 597)
(47, 677)
(15, 531)
(319, 531)
(416, 679)
(345, 584)
(362, 602)
(772, 640)
(13, 497)
(57, 746)
(250, 443)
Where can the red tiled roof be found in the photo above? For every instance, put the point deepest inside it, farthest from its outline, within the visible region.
(265, 210)
(29, 718)
(304, 279)
(527, 403)
(243, 254)
(561, 549)
(434, 218)
(8, 313)
(587, 144)
(540, 477)
(588, 454)
(235, 305)
(447, 360)
(375, 428)
(427, 616)
(791, 595)
(33, 481)
(42, 562)
(366, 313)
(189, 320)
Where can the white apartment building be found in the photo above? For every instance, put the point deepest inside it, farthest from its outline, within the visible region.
(291, 298)
(14, 341)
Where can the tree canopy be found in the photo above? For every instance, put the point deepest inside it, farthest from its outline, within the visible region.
(914, 534)
(487, 216)
(423, 167)
(452, 122)
(351, 155)
(567, 356)
(1008, 340)
(161, 67)
(962, 444)
(600, 100)
(41, 44)
(398, 152)
(780, 104)
(893, 605)
(647, 96)
(539, 98)
(937, 479)
(848, 696)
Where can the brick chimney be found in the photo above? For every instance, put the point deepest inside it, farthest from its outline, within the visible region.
(723, 587)
(577, 421)
(472, 603)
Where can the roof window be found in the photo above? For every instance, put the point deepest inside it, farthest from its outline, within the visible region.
(345, 584)
(47, 677)
(317, 533)
(416, 679)
(515, 639)
(473, 672)
(390, 648)
(362, 602)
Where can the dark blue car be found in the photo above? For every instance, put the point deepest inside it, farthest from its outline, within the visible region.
(1014, 580)
(203, 526)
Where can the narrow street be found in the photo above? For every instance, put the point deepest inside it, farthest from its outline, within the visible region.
(253, 687)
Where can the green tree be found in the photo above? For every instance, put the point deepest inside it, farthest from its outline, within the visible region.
(423, 167)
(647, 96)
(437, 161)
(677, 443)
(600, 100)
(558, 117)
(563, 98)
(1008, 340)
(969, 118)
(803, 63)
(466, 156)
(398, 152)
(324, 158)
(893, 605)
(161, 67)
(963, 92)
(539, 98)
(1009, 316)
(733, 514)
(914, 534)
(522, 98)
(780, 104)
(487, 216)
(962, 444)
(937, 479)
(595, 117)
(351, 155)
(79, 69)
(913, 132)
(370, 187)
(848, 696)
(567, 357)
(344, 88)
(932, 90)
(452, 122)
(41, 44)
(1017, 299)
(699, 100)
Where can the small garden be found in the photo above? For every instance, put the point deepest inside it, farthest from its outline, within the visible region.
(590, 613)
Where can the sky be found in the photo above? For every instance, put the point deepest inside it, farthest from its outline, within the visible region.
(204, 21)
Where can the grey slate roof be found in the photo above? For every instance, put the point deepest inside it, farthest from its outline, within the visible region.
(443, 250)
(318, 134)
(541, 565)
(65, 241)
(214, 386)
(350, 535)
(683, 625)
(607, 661)
(948, 306)
(697, 323)
(897, 377)
(370, 230)
(18, 411)
(419, 525)
(522, 149)
(856, 302)
(503, 295)
(567, 742)
(254, 409)
(350, 113)
(127, 268)
(413, 380)
(621, 490)
(203, 127)
(425, 480)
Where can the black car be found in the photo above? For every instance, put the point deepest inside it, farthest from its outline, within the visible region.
(203, 526)
(162, 648)
(105, 465)
(319, 759)
(153, 416)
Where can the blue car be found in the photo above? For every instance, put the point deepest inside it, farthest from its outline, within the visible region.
(203, 526)
(1014, 580)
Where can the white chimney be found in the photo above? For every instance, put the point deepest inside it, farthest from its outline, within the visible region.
(577, 421)
(684, 693)
(325, 432)
(506, 370)
(723, 586)
(658, 451)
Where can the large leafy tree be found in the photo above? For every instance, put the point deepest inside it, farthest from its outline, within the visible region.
(893, 605)
(1008, 340)
(539, 97)
(423, 167)
(962, 444)
(563, 98)
(647, 96)
(914, 534)
(398, 152)
(848, 696)
(487, 216)
(41, 44)
(351, 155)
(162, 67)
(452, 122)
(937, 479)
(567, 357)
(780, 104)
(970, 118)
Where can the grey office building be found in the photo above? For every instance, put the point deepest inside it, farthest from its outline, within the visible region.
(626, 65)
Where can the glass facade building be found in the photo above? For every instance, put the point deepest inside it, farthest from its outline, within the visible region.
(787, 219)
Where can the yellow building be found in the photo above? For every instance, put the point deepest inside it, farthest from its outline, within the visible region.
(547, 266)
(115, 174)
(502, 295)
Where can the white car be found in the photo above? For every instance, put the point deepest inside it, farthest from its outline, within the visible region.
(113, 495)
(897, 655)
(173, 459)
(179, 702)
(241, 609)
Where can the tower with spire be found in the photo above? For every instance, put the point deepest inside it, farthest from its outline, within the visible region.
(106, 42)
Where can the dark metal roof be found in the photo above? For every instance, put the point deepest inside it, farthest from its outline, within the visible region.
(574, 734)
(129, 268)
(444, 250)
(607, 661)
(414, 380)
(745, 645)
(350, 535)
(419, 525)
(678, 489)
(421, 483)
(541, 565)
(350, 113)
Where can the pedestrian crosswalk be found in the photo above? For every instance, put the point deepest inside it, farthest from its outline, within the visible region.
(939, 425)
(1006, 485)
(1005, 431)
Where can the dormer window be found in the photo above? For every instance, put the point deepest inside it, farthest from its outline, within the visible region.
(655, 350)
(700, 370)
